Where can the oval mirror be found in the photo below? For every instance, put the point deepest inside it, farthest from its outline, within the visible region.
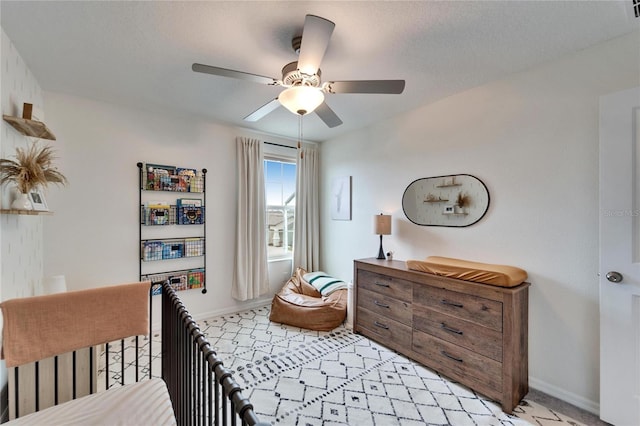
(452, 200)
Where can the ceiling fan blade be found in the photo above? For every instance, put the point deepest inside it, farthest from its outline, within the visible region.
(327, 115)
(315, 39)
(263, 110)
(366, 86)
(224, 72)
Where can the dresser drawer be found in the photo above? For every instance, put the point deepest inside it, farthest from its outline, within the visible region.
(386, 285)
(485, 312)
(476, 338)
(472, 369)
(385, 306)
(384, 330)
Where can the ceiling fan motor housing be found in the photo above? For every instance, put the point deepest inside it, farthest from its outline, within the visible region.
(291, 76)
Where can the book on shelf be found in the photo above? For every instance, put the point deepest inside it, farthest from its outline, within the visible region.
(190, 215)
(189, 202)
(193, 247)
(157, 177)
(172, 250)
(190, 177)
(157, 213)
(188, 173)
(160, 177)
(179, 282)
(196, 278)
(152, 250)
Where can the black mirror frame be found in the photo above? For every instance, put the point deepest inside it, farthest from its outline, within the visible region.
(442, 177)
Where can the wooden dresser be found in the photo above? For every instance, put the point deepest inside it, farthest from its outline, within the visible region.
(475, 334)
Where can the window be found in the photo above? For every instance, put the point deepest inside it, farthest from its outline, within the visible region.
(280, 190)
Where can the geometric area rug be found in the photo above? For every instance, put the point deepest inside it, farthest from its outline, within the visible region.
(295, 376)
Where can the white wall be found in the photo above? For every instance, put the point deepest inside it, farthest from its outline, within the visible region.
(20, 236)
(93, 236)
(532, 139)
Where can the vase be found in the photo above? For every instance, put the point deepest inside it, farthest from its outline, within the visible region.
(22, 202)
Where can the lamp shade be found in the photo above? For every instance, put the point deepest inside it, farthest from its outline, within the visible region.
(301, 99)
(54, 284)
(382, 224)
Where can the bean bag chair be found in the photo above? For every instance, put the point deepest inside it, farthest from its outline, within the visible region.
(300, 304)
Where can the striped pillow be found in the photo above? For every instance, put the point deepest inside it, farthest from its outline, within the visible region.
(324, 283)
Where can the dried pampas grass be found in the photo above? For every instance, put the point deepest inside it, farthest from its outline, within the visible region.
(32, 167)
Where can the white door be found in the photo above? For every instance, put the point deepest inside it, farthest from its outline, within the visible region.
(620, 258)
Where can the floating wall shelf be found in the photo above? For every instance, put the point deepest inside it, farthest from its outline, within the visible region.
(36, 129)
(25, 212)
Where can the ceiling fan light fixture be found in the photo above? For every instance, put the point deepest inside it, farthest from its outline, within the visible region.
(301, 99)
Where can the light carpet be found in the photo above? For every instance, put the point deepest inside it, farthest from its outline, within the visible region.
(295, 376)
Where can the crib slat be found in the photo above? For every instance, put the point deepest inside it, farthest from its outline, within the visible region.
(197, 412)
(106, 365)
(150, 322)
(122, 362)
(56, 389)
(90, 370)
(17, 390)
(74, 376)
(137, 358)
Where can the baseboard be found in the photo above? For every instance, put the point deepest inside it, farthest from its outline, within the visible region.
(258, 303)
(568, 397)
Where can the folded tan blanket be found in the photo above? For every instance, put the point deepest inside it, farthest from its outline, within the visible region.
(486, 273)
(43, 326)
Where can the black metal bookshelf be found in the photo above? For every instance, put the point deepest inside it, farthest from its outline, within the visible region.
(173, 217)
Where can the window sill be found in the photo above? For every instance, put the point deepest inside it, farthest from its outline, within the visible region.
(279, 259)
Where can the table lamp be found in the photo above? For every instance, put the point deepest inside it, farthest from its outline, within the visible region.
(382, 226)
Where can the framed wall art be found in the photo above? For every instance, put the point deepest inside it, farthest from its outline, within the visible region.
(38, 201)
(341, 198)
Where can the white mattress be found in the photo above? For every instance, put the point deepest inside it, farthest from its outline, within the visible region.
(142, 403)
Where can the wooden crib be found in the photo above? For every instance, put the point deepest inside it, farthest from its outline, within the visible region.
(53, 347)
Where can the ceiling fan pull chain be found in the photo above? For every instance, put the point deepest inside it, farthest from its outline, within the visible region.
(300, 135)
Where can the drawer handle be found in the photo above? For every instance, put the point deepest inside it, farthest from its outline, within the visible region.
(379, 324)
(449, 329)
(382, 305)
(451, 356)
(381, 284)
(447, 302)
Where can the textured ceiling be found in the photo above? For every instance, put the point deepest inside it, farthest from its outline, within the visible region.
(140, 53)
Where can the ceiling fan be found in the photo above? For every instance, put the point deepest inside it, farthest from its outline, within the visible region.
(304, 90)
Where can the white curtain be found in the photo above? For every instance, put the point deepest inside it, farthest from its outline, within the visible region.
(251, 278)
(306, 249)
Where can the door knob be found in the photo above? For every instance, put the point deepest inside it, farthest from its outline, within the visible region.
(614, 277)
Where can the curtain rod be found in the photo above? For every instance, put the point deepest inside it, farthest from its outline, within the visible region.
(277, 144)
